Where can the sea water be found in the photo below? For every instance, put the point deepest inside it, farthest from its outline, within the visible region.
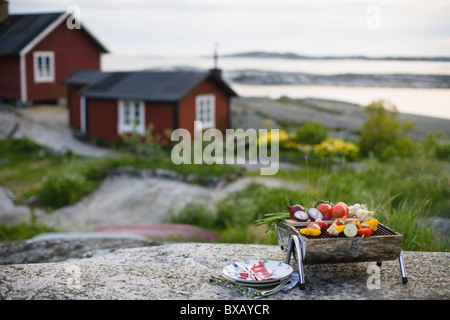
(432, 102)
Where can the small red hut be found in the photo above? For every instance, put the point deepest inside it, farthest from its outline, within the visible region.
(106, 105)
(38, 50)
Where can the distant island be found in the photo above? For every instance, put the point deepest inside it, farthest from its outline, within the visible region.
(290, 55)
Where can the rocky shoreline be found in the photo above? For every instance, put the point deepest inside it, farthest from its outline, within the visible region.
(259, 77)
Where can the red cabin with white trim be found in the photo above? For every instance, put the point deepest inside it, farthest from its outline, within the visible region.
(38, 50)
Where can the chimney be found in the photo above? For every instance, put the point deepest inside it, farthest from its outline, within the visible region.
(216, 71)
(3, 10)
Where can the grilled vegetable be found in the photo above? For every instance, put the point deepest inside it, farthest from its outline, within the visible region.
(373, 223)
(314, 214)
(350, 230)
(336, 230)
(365, 231)
(310, 232)
(300, 215)
(321, 223)
(293, 209)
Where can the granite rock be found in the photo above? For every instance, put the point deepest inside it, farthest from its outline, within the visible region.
(173, 271)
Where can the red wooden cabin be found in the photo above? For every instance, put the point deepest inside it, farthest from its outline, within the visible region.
(38, 50)
(106, 105)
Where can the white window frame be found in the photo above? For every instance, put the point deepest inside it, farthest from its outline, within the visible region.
(45, 74)
(127, 116)
(206, 103)
(83, 126)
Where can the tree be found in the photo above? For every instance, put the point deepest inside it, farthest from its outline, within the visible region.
(383, 134)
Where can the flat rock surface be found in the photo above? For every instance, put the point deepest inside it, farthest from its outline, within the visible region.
(123, 200)
(182, 271)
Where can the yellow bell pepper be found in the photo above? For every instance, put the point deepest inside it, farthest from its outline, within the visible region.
(310, 232)
(373, 223)
(336, 230)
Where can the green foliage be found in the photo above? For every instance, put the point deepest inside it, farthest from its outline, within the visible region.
(59, 191)
(21, 231)
(144, 146)
(413, 221)
(434, 148)
(404, 193)
(383, 134)
(19, 149)
(443, 151)
(312, 133)
(235, 216)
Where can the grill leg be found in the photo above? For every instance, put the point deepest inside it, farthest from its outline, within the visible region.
(402, 267)
(295, 248)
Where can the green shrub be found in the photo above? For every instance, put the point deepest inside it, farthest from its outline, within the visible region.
(312, 133)
(383, 134)
(21, 231)
(235, 216)
(443, 151)
(60, 191)
(19, 149)
(195, 214)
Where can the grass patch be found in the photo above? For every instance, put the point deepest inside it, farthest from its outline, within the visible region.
(61, 180)
(405, 194)
(21, 231)
(235, 216)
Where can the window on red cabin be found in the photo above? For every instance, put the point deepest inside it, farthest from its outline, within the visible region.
(131, 115)
(205, 110)
(44, 66)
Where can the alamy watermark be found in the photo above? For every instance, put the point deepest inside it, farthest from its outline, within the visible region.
(238, 147)
(74, 19)
(373, 21)
(73, 276)
(374, 280)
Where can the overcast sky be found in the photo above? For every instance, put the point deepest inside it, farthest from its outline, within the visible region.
(313, 27)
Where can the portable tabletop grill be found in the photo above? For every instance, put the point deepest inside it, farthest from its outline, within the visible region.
(384, 244)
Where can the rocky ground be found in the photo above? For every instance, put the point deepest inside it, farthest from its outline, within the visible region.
(182, 271)
(343, 119)
(48, 126)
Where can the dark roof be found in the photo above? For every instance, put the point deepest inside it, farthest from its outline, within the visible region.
(86, 77)
(164, 86)
(18, 30)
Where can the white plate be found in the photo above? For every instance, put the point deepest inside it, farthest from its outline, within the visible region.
(250, 283)
(279, 271)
